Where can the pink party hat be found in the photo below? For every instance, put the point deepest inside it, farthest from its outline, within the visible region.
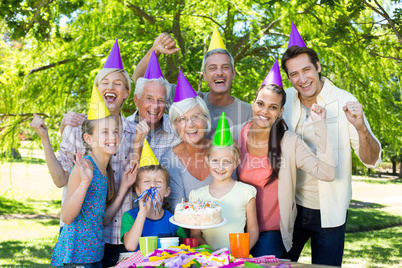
(114, 59)
(295, 38)
(183, 89)
(274, 76)
(153, 69)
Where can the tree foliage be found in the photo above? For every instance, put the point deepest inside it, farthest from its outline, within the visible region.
(48, 67)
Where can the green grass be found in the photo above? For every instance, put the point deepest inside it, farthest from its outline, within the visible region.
(367, 219)
(380, 248)
(27, 252)
(365, 244)
(29, 231)
(30, 205)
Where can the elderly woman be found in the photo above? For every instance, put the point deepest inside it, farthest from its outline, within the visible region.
(186, 163)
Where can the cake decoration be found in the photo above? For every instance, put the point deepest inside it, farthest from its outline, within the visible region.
(199, 213)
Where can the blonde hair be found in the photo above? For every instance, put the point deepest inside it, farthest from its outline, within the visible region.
(106, 71)
(233, 147)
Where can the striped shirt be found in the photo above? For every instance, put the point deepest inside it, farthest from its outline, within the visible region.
(161, 139)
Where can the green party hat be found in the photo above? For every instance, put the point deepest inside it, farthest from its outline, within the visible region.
(222, 137)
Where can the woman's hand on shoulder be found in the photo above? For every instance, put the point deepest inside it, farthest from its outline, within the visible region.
(317, 113)
(86, 172)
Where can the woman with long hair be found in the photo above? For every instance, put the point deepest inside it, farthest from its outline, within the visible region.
(270, 157)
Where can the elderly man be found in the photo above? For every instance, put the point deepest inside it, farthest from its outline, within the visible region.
(218, 71)
(322, 206)
(150, 99)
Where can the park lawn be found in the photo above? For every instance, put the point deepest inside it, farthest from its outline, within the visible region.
(378, 248)
(27, 242)
(26, 191)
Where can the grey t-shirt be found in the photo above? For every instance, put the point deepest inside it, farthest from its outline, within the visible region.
(236, 113)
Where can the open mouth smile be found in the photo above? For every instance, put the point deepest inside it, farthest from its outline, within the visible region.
(110, 97)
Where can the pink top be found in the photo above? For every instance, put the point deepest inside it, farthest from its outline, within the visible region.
(255, 170)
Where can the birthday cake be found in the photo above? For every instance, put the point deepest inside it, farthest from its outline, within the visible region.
(199, 213)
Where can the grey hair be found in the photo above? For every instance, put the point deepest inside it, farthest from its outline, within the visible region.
(106, 71)
(179, 108)
(139, 86)
(217, 51)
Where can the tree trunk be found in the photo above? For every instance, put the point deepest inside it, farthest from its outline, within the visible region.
(393, 167)
(400, 171)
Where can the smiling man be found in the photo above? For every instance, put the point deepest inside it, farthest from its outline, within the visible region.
(322, 206)
(218, 71)
(150, 99)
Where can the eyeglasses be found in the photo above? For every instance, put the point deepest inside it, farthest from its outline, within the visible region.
(195, 118)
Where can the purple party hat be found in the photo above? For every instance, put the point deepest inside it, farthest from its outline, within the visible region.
(274, 76)
(295, 39)
(114, 59)
(183, 89)
(153, 70)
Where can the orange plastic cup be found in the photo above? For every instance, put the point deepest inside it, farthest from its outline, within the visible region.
(240, 245)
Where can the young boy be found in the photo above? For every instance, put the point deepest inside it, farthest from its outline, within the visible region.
(147, 220)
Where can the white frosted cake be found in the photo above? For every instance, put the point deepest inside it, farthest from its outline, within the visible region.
(199, 213)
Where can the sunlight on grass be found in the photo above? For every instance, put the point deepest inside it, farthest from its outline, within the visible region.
(11, 229)
(381, 248)
(374, 249)
(367, 219)
(29, 206)
(27, 242)
(21, 181)
(27, 253)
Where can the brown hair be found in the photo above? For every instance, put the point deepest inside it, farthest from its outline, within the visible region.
(294, 51)
(88, 127)
(155, 168)
(277, 132)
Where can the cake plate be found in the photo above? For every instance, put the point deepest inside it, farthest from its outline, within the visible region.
(223, 222)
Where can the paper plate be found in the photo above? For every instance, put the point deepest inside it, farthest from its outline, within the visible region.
(223, 222)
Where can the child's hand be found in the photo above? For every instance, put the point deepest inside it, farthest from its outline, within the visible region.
(148, 204)
(86, 172)
(129, 177)
(38, 125)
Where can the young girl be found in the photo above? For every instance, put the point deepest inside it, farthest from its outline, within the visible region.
(149, 220)
(236, 199)
(90, 190)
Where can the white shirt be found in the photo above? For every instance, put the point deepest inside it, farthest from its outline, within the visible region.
(334, 196)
